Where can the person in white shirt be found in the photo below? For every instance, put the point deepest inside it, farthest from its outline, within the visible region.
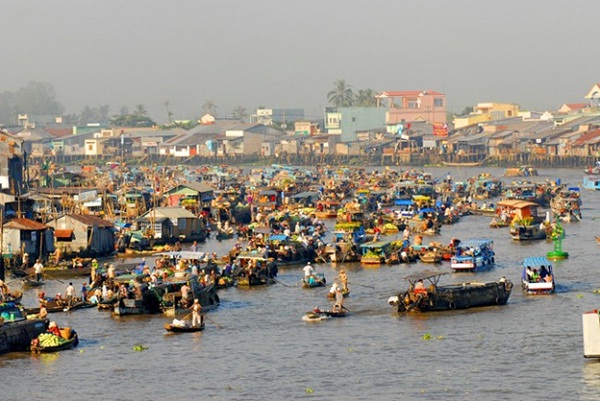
(38, 268)
(70, 294)
(308, 270)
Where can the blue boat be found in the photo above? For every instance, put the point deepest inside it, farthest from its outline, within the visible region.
(591, 183)
(472, 255)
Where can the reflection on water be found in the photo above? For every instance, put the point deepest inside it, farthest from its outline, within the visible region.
(529, 349)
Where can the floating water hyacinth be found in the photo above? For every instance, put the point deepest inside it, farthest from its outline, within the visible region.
(579, 295)
(139, 347)
(426, 337)
(309, 390)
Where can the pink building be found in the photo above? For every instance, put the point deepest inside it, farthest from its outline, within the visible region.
(429, 106)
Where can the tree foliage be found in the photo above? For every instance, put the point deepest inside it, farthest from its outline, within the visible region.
(365, 98)
(37, 98)
(239, 113)
(341, 95)
(209, 107)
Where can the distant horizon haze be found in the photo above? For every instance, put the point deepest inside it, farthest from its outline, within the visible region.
(287, 54)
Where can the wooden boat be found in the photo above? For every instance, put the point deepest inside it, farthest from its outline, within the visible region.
(14, 297)
(345, 293)
(537, 277)
(29, 283)
(317, 315)
(375, 253)
(174, 328)
(431, 256)
(15, 330)
(434, 297)
(471, 255)
(315, 280)
(520, 232)
(462, 164)
(523, 171)
(70, 342)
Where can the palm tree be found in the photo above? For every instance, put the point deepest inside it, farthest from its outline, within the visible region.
(341, 95)
(239, 113)
(123, 111)
(140, 110)
(104, 113)
(365, 98)
(209, 107)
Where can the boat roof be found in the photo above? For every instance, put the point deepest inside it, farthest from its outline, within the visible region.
(517, 203)
(536, 261)
(475, 242)
(423, 275)
(182, 254)
(378, 244)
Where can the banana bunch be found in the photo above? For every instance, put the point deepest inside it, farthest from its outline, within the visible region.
(50, 340)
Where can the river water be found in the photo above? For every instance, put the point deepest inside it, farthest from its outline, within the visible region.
(529, 349)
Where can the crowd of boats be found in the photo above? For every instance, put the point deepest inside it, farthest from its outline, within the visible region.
(284, 217)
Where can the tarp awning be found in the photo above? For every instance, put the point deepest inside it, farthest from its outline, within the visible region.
(64, 234)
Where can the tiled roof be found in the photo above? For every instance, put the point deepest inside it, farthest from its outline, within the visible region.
(407, 93)
(25, 224)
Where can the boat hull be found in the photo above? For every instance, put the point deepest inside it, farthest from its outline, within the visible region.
(457, 296)
(183, 329)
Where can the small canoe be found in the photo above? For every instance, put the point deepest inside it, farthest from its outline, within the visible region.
(28, 283)
(317, 315)
(183, 329)
(315, 280)
(331, 295)
(72, 342)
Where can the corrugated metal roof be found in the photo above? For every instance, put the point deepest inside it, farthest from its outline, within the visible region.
(90, 220)
(536, 261)
(25, 224)
(475, 243)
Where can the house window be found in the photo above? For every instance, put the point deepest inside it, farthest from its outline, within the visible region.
(413, 104)
(438, 102)
(90, 147)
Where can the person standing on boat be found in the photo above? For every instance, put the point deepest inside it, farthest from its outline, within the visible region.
(308, 271)
(38, 269)
(70, 294)
(343, 279)
(43, 313)
(196, 315)
(339, 301)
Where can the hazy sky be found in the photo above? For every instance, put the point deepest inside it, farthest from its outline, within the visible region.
(280, 53)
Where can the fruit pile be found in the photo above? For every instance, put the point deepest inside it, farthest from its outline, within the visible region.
(50, 340)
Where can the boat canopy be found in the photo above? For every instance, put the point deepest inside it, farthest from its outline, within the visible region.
(186, 255)
(278, 237)
(476, 243)
(404, 202)
(424, 275)
(536, 261)
(517, 203)
(376, 245)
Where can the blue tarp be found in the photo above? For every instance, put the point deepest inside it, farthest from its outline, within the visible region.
(404, 202)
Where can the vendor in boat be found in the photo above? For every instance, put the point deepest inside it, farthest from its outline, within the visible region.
(38, 269)
(343, 279)
(420, 287)
(4, 290)
(43, 313)
(197, 317)
(54, 329)
(339, 301)
(308, 271)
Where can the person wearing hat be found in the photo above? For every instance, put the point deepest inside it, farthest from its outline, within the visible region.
(343, 279)
(308, 271)
(53, 329)
(70, 294)
(339, 301)
(197, 318)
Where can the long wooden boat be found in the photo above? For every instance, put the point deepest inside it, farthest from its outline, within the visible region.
(69, 343)
(318, 315)
(434, 297)
(462, 164)
(331, 295)
(183, 329)
(16, 331)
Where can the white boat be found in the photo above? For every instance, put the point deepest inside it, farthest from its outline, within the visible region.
(538, 275)
(473, 254)
(591, 334)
